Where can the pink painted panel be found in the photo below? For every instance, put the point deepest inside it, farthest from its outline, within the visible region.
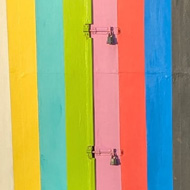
(106, 98)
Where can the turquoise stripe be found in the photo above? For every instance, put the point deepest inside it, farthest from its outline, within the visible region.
(51, 94)
(158, 64)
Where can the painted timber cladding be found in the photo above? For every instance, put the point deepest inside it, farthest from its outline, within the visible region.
(51, 94)
(132, 94)
(181, 94)
(106, 94)
(158, 68)
(6, 156)
(141, 85)
(79, 95)
(24, 101)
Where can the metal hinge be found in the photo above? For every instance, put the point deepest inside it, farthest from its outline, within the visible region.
(86, 30)
(90, 150)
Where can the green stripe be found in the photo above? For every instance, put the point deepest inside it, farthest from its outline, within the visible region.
(79, 98)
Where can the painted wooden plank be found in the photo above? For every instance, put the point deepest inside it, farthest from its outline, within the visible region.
(132, 94)
(6, 159)
(51, 93)
(159, 93)
(79, 98)
(181, 94)
(24, 104)
(106, 94)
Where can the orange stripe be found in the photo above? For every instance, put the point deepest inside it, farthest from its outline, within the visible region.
(132, 94)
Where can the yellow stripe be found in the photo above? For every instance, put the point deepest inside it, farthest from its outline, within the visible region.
(23, 79)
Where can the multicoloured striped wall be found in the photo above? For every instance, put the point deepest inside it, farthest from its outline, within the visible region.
(72, 102)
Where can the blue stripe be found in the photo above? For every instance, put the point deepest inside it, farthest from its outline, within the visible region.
(51, 94)
(158, 66)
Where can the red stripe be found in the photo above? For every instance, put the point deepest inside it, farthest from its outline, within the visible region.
(132, 94)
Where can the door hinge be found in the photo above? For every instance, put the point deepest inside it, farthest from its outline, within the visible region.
(86, 30)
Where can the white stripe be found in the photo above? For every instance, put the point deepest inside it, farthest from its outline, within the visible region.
(6, 158)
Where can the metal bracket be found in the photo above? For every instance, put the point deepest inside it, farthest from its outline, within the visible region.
(104, 30)
(110, 152)
(89, 30)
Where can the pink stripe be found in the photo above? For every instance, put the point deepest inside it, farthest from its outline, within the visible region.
(106, 89)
